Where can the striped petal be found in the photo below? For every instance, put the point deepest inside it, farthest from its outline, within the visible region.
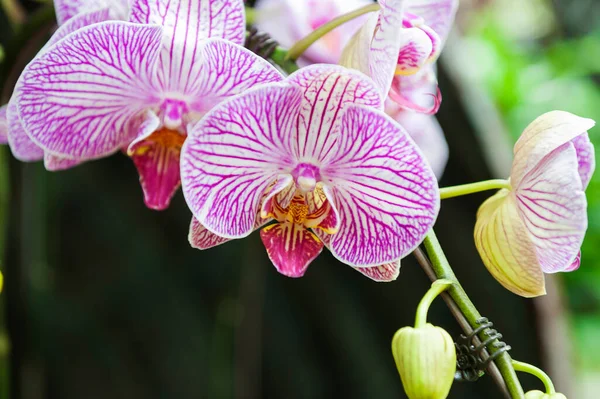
(384, 190)
(68, 9)
(78, 97)
(437, 14)
(201, 238)
(54, 163)
(224, 70)
(374, 49)
(20, 144)
(428, 135)
(235, 153)
(186, 23)
(3, 125)
(415, 49)
(81, 20)
(382, 273)
(505, 246)
(586, 158)
(553, 207)
(543, 136)
(327, 89)
(291, 247)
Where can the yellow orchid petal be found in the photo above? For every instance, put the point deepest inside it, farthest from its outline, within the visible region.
(506, 248)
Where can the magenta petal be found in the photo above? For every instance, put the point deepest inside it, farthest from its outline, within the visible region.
(77, 98)
(77, 22)
(327, 90)
(233, 155)
(576, 263)
(586, 158)
(383, 273)
(3, 125)
(54, 163)
(157, 162)
(20, 144)
(437, 14)
(385, 191)
(291, 247)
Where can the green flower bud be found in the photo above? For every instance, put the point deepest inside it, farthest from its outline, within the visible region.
(426, 360)
(542, 395)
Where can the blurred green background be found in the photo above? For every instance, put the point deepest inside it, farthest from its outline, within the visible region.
(105, 298)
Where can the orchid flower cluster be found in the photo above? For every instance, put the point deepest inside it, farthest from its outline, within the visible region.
(343, 152)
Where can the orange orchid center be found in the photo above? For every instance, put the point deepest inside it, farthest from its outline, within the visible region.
(164, 138)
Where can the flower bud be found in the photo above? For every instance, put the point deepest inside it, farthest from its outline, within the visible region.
(542, 395)
(426, 360)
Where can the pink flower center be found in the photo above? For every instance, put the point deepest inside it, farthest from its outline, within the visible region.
(306, 177)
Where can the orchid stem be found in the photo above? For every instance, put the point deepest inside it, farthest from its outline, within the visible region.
(443, 270)
(280, 57)
(301, 45)
(530, 369)
(436, 289)
(465, 189)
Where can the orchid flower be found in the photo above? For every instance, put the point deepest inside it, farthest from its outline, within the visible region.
(290, 20)
(538, 225)
(315, 156)
(137, 85)
(71, 15)
(397, 46)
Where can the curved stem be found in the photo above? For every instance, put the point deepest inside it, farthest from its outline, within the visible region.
(436, 289)
(301, 45)
(530, 369)
(443, 270)
(465, 189)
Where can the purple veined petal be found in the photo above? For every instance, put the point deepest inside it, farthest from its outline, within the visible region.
(200, 238)
(552, 204)
(586, 158)
(282, 190)
(505, 246)
(20, 144)
(437, 14)
(543, 136)
(288, 21)
(385, 191)
(186, 23)
(374, 49)
(383, 273)
(223, 70)
(77, 22)
(78, 97)
(418, 92)
(54, 163)
(291, 247)
(327, 89)
(415, 50)
(575, 265)
(3, 125)
(67, 9)
(428, 135)
(235, 153)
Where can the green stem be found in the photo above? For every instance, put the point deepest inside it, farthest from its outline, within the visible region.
(528, 368)
(465, 189)
(443, 270)
(301, 45)
(436, 289)
(281, 58)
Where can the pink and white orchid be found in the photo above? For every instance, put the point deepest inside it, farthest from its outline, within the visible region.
(137, 85)
(397, 46)
(317, 156)
(538, 225)
(71, 16)
(288, 21)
